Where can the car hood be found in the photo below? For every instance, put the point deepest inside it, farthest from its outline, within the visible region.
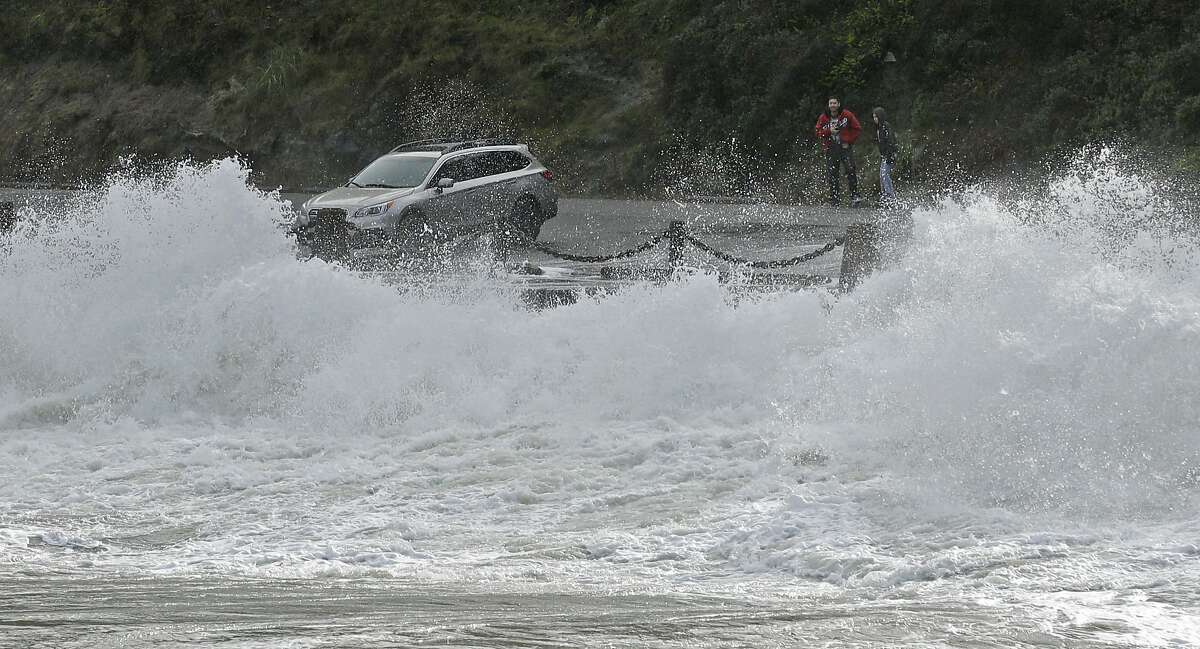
(355, 197)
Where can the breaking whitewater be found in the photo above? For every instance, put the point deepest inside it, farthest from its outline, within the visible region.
(993, 443)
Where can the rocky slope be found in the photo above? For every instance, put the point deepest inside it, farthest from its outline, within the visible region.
(620, 96)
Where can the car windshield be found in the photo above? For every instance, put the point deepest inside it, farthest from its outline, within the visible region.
(395, 171)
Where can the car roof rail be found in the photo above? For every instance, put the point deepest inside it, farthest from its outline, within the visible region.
(448, 145)
(486, 141)
(428, 144)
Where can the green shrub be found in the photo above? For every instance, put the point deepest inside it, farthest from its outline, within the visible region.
(609, 88)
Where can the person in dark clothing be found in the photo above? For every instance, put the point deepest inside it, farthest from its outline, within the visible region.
(887, 155)
(837, 129)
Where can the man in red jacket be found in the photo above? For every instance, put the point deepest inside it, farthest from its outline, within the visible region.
(837, 129)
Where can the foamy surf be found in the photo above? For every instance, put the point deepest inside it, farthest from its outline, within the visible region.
(998, 433)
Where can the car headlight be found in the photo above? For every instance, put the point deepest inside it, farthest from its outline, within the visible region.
(374, 210)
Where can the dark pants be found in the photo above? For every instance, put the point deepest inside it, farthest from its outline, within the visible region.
(836, 158)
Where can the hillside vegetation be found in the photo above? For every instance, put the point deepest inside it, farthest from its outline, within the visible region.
(618, 96)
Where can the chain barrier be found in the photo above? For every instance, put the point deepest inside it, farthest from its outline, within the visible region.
(678, 231)
(676, 234)
(595, 259)
(775, 263)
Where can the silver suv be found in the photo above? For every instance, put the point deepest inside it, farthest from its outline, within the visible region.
(431, 189)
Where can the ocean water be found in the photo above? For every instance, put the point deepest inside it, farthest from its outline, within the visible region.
(207, 442)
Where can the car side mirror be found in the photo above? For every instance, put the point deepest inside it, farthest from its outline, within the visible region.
(445, 183)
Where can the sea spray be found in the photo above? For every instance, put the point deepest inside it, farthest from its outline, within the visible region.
(1032, 356)
(1009, 361)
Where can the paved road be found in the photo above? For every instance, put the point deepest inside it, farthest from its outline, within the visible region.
(749, 231)
(759, 231)
(604, 226)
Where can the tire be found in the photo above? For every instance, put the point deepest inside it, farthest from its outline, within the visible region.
(414, 228)
(411, 215)
(526, 217)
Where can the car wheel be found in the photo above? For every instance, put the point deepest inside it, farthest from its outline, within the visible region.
(413, 226)
(412, 215)
(526, 217)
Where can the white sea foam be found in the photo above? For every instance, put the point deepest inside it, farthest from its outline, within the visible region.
(1008, 408)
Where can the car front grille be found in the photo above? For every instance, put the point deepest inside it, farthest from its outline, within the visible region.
(329, 234)
(326, 231)
(326, 216)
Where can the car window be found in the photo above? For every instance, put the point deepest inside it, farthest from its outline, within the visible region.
(512, 161)
(502, 162)
(394, 171)
(478, 165)
(489, 164)
(451, 169)
(464, 168)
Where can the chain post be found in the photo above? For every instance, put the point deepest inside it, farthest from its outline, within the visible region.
(8, 217)
(676, 239)
(861, 256)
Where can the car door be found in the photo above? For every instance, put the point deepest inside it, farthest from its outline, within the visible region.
(457, 207)
(492, 192)
(504, 172)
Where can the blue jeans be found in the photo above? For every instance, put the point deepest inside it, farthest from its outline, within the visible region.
(885, 180)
